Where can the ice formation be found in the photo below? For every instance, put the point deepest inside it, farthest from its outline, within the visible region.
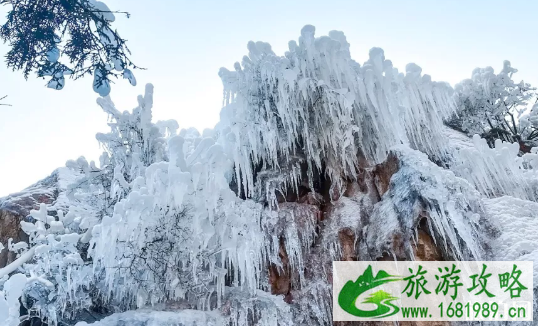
(499, 170)
(316, 158)
(451, 203)
(319, 103)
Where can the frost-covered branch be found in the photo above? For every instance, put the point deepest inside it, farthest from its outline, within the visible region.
(58, 38)
(16, 264)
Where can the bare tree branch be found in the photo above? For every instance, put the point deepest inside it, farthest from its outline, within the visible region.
(4, 104)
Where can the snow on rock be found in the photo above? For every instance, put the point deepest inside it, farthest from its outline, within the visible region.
(457, 140)
(263, 309)
(498, 170)
(516, 221)
(159, 318)
(17, 206)
(293, 225)
(422, 189)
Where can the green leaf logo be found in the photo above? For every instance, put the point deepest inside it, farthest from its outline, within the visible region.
(352, 290)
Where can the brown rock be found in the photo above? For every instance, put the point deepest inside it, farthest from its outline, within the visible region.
(355, 188)
(311, 198)
(366, 191)
(426, 250)
(280, 278)
(347, 243)
(10, 228)
(384, 171)
(17, 206)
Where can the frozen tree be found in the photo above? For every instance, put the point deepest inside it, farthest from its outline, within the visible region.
(132, 144)
(56, 38)
(61, 247)
(529, 126)
(491, 105)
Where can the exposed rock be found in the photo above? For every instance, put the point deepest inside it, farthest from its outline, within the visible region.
(16, 207)
(9, 229)
(426, 250)
(383, 172)
(347, 242)
(280, 278)
(343, 220)
(20, 203)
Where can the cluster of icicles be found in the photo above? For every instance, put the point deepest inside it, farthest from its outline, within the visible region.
(319, 102)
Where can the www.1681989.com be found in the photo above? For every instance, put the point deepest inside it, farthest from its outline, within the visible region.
(484, 309)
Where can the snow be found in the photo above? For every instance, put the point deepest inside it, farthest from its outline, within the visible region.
(175, 216)
(53, 55)
(100, 85)
(498, 170)
(9, 299)
(346, 214)
(103, 10)
(457, 140)
(264, 309)
(450, 203)
(159, 318)
(516, 221)
(128, 74)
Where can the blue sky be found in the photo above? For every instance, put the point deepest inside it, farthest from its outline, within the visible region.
(184, 43)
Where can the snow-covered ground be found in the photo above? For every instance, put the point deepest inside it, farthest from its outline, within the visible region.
(160, 318)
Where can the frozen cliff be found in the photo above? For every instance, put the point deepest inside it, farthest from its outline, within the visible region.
(316, 158)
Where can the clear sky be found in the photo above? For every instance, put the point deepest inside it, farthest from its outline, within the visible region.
(184, 43)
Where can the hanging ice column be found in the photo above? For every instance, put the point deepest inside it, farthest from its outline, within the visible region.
(317, 102)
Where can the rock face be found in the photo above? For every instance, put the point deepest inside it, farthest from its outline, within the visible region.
(343, 220)
(16, 207)
(9, 229)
